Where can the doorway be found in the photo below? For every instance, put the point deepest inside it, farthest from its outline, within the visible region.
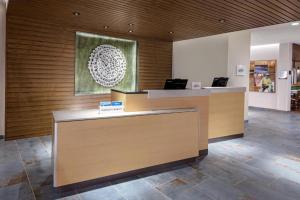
(295, 90)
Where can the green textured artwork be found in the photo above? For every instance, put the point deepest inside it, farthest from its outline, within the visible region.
(104, 63)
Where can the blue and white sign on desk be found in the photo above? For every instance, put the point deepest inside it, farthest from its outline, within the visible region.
(111, 106)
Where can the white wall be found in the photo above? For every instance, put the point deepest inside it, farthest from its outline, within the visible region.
(284, 85)
(201, 59)
(2, 64)
(280, 100)
(239, 54)
(281, 33)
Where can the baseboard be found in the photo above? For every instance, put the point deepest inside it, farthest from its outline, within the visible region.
(230, 137)
(130, 174)
(26, 136)
(202, 154)
(266, 109)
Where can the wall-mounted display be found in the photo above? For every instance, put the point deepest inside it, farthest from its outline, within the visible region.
(241, 70)
(196, 85)
(262, 76)
(104, 63)
(283, 74)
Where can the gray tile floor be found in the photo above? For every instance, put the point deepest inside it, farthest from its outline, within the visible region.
(265, 164)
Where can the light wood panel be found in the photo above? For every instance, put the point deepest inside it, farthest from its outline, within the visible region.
(226, 114)
(40, 73)
(155, 19)
(107, 149)
(141, 102)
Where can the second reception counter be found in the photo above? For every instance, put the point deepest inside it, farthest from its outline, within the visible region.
(220, 109)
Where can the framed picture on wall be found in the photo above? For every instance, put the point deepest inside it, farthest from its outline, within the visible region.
(104, 63)
(241, 70)
(262, 76)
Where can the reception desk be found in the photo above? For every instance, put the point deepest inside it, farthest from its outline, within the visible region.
(88, 145)
(158, 127)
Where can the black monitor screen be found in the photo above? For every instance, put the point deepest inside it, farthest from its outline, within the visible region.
(175, 84)
(220, 82)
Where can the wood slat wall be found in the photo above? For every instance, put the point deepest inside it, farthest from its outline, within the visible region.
(40, 73)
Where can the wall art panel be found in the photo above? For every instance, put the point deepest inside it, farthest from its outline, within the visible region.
(262, 76)
(104, 63)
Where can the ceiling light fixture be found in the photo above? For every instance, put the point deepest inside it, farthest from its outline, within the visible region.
(171, 32)
(295, 24)
(105, 27)
(76, 13)
(221, 20)
(130, 24)
(130, 31)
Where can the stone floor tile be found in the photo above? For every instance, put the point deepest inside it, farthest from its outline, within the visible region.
(19, 191)
(40, 173)
(217, 189)
(277, 168)
(286, 187)
(11, 172)
(32, 150)
(252, 190)
(47, 141)
(191, 194)
(188, 174)
(8, 151)
(139, 189)
(158, 178)
(221, 171)
(174, 188)
(105, 193)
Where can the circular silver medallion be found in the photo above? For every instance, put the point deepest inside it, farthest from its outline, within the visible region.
(107, 65)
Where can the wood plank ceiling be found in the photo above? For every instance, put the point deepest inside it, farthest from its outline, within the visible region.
(157, 18)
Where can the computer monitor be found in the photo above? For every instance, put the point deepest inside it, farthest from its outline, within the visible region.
(220, 82)
(175, 84)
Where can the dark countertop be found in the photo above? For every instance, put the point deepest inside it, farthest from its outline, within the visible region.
(130, 92)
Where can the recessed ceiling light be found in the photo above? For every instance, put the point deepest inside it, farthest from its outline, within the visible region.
(76, 13)
(130, 24)
(295, 24)
(221, 20)
(171, 32)
(130, 31)
(105, 27)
